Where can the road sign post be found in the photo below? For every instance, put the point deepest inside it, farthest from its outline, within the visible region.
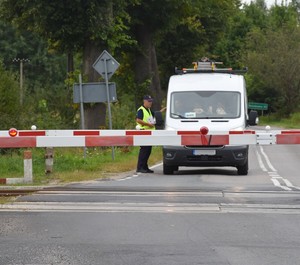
(107, 94)
(106, 66)
(82, 109)
(81, 102)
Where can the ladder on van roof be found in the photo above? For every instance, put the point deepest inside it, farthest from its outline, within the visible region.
(205, 65)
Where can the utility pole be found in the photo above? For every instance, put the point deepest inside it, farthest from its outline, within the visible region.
(21, 61)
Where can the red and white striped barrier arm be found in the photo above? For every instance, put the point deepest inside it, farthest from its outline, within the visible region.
(93, 138)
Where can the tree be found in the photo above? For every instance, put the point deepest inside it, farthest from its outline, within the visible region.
(74, 26)
(232, 45)
(198, 33)
(273, 59)
(275, 62)
(9, 101)
(149, 19)
(172, 34)
(284, 16)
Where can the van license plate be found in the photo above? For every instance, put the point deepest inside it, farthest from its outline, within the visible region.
(204, 152)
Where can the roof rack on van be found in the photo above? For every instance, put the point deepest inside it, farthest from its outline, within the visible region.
(208, 66)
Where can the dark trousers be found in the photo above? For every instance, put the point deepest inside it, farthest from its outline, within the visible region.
(144, 155)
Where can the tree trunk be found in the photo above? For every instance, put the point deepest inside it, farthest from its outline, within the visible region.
(70, 66)
(95, 113)
(146, 67)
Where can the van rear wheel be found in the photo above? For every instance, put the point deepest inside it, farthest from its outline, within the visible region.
(169, 170)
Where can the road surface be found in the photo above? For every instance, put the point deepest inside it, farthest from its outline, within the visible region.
(197, 216)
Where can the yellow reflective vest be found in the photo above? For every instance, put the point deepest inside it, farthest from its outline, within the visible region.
(147, 117)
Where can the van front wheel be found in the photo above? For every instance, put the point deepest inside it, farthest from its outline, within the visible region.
(169, 170)
(243, 170)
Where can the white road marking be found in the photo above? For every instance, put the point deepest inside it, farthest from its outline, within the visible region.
(267, 159)
(260, 162)
(136, 174)
(277, 180)
(289, 184)
(277, 184)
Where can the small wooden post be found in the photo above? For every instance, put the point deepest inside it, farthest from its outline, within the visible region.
(27, 166)
(49, 160)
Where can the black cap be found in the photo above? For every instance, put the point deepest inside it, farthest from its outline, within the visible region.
(148, 98)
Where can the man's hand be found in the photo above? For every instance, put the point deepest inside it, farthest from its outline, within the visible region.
(145, 123)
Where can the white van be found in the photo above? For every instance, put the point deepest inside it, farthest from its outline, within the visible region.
(213, 98)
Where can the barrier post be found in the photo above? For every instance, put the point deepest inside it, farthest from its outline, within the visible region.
(49, 160)
(28, 166)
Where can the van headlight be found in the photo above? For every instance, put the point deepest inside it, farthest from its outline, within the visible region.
(239, 155)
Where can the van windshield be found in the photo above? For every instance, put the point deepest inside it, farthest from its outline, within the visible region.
(205, 104)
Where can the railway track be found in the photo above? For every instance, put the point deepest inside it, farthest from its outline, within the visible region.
(16, 192)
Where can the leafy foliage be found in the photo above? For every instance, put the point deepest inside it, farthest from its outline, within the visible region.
(68, 24)
(273, 57)
(9, 101)
(123, 113)
(175, 34)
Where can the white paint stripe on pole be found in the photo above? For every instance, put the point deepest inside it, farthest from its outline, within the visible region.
(112, 133)
(4, 133)
(28, 170)
(164, 133)
(59, 132)
(139, 140)
(242, 139)
(60, 141)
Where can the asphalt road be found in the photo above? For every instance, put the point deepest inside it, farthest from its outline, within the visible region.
(197, 216)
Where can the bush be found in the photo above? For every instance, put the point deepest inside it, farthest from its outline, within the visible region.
(10, 108)
(123, 113)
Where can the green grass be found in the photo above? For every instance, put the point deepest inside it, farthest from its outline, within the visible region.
(4, 199)
(292, 122)
(73, 164)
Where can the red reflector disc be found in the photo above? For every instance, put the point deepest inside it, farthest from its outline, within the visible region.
(204, 130)
(13, 132)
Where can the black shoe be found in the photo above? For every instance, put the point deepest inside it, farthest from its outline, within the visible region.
(145, 171)
(142, 171)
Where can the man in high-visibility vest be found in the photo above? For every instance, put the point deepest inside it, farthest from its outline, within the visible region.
(145, 120)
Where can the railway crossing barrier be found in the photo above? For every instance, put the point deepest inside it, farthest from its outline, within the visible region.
(92, 138)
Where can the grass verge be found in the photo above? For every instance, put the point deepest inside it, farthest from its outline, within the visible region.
(292, 122)
(74, 164)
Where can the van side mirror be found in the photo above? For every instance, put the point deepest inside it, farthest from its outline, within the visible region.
(159, 120)
(253, 118)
